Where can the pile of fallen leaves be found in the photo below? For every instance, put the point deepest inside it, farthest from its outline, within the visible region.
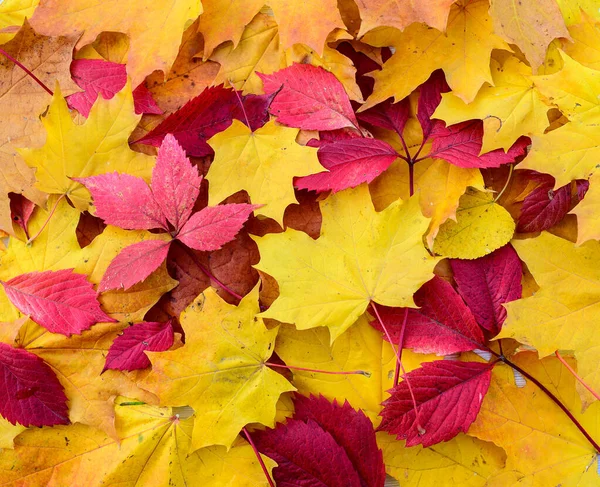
(303, 243)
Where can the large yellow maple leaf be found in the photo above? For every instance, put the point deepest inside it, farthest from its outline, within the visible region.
(97, 146)
(263, 163)
(463, 53)
(543, 446)
(361, 256)
(154, 28)
(562, 314)
(220, 371)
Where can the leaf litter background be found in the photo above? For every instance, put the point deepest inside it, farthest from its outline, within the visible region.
(219, 215)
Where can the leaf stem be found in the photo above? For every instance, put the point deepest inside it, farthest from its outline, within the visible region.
(292, 367)
(554, 399)
(505, 184)
(241, 104)
(259, 457)
(400, 347)
(30, 241)
(576, 375)
(33, 76)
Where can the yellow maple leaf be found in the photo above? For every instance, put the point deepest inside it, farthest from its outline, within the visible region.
(543, 446)
(263, 163)
(588, 212)
(12, 15)
(585, 47)
(559, 316)
(463, 461)
(481, 227)
(220, 371)
(510, 107)
(572, 10)
(154, 29)
(97, 146)
(463, 53)
(361, 256)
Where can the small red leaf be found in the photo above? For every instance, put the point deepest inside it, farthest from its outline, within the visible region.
(350, 162)
(430, 96)
(124, 201)
(60, 301)
(31, 393)
(214, 226)
(207, 114)
(128, 350)
(134, 264)
(460, 145)
(544, 207)
(175, 182)
(388, 115)
(21, 210)
(443, 324)
(309, 98)
(97, 76)
(327, 445)
(488, 282)
(448, 395)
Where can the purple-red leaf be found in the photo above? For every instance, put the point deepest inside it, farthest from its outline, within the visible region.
(443, 324)
(128, 350)
(60, 301)
(448, 396)
(460, 145)
(31, 393)
(207, 114)
(324, 445)
(544, 207)
(124, 201)
(97, 76)
(309, 98)
(388, 115)
(350, 162)
(430, 96)
(21, 210)
(175, 182)
(486, 283)
(214, 226)
(134, 264)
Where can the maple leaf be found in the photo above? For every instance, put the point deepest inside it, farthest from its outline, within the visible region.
(436, 388)
(320, 429)
(61, 301)
(153, 32)
(12, 15)
(262, 162)
(221, 370)
(104, 148)
(34, 397)
(361, 256)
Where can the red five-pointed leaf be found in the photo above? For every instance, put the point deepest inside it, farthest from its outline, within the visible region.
(214, 226)
(127, 351)
(486, 283)
(350, 162)
(448, 396)
(175, 182)
(60, 301)
(124, 201)
(31, 393)
(443, 324)
(309, 98)
(134, 264)
(328, 445)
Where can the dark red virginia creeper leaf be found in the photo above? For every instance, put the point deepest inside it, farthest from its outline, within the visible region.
(31, 393)
(128, 350)
(214, 226)
(430, 96)
(97, 76)
(175, 183)
(488, 282)
(124, 201)
(324, 445)
(134, 264)
(60, 301)
(443, 324)
(351, 162)
(388, 115)
(21, 210)
(544, 207)
(212, 111)
(309, 97)
(460, 144)
(448, 395)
